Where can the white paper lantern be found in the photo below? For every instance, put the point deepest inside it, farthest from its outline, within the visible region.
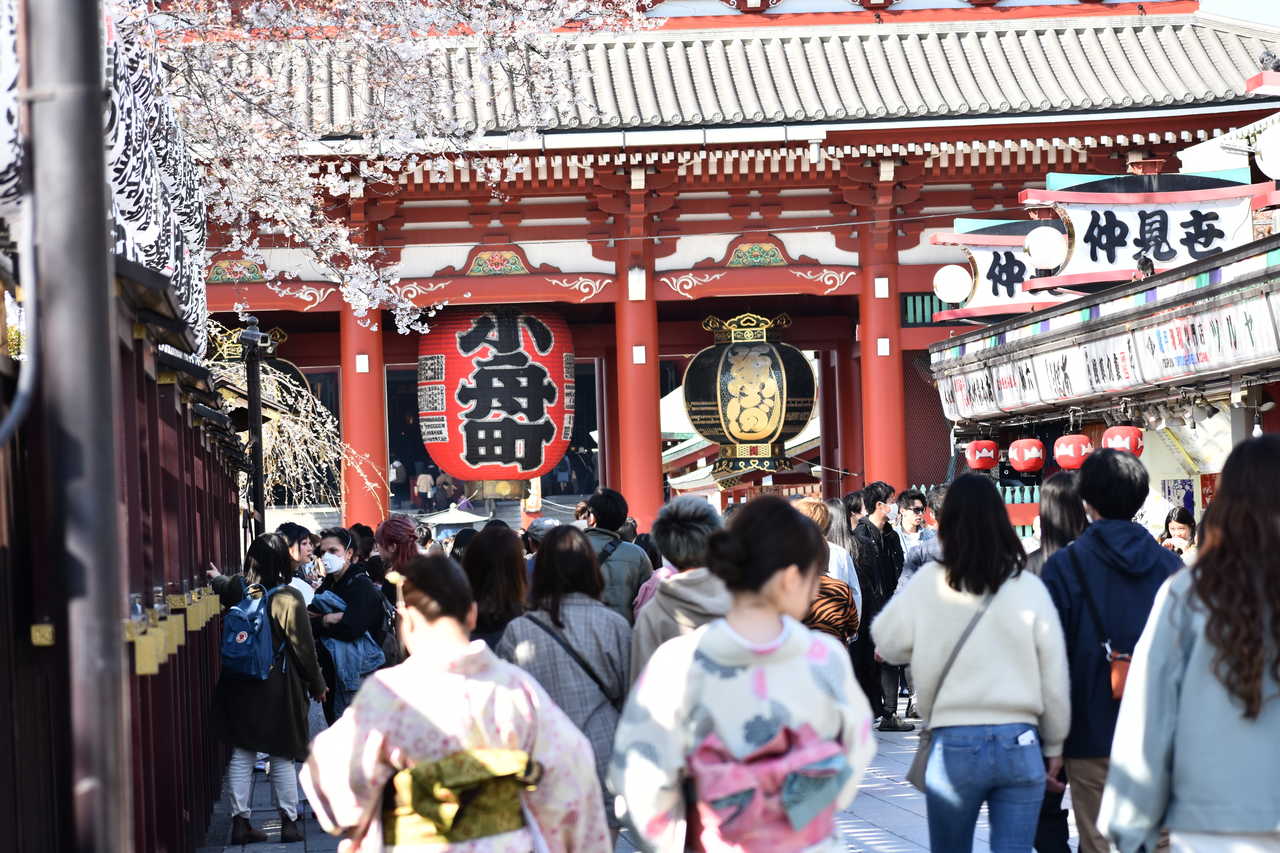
(953, 283)
(1267, 152)
(1047, 247)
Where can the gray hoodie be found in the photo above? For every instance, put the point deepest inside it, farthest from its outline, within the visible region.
(625, 571)
(681, 604)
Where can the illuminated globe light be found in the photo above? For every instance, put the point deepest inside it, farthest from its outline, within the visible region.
(982, 455)
(1047, 247)
(1070, 451)
(1266, 152)
(1127, 438)
(953, 284)
(1026, 455)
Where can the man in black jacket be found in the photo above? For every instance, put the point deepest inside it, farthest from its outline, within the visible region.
(879, 564)
(364, 613)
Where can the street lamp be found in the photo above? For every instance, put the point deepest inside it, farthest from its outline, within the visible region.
(253, 343)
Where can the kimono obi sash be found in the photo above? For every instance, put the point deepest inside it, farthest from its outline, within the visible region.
(462, 797)
(779, 798)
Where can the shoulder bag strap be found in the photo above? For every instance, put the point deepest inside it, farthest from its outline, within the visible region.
(1089, 600)
(964, 637)
(607, 551)
(616, 702)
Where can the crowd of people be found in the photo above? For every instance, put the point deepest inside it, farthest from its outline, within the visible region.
(715, 682)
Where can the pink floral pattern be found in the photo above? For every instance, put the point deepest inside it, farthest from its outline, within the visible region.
(432, 706)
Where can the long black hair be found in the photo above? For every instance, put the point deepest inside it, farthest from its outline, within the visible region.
(1179, 515)
(1062, 517)
(565, 563)
(979, 546)
(267, 561)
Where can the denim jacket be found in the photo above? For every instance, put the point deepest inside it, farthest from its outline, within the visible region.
(1184, 756)
(352, 661)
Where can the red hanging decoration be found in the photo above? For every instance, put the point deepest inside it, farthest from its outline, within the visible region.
(1070, 451)
(1026, 455)
(982, 454)
(496, 392)
(1127, 438)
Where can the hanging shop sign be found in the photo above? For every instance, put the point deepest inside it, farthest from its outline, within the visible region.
(1111, 364)
(999, 267)
(1120, 226)
(1216, 338)
(1015, 384)
(1062, 374)
(496, 392)
(749, 393)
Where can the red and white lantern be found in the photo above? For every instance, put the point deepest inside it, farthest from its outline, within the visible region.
(1127, 438)
(496, 392)
(1026, 455)
(1070, 451)
(982, 454)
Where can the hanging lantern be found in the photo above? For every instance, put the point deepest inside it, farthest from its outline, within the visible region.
(495, 392)
(982, 454)
(1070, 451)
(749, 393)
(1127, 438)
(1026, 455)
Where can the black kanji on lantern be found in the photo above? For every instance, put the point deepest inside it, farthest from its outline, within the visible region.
(1200, 234)
(1105, 234)
(508, 393)
(1153, 235)
(1005, 271)
(506, 441)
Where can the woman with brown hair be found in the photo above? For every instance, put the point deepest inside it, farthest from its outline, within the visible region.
(1195, 745)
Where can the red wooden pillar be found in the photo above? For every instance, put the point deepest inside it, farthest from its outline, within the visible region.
(828, 424)
(849, 387)
(884, 447)
(363, 396)
(638, 392)
(611, 466)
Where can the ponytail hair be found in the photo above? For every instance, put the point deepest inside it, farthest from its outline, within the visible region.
(763, 537)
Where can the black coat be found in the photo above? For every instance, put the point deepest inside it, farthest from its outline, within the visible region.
(271, 716)
(364, 607)
(879, 564)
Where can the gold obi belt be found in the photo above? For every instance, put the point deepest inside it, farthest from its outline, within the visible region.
(461, 797)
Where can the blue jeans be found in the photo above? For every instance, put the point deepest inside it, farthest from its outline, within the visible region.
(998, 765)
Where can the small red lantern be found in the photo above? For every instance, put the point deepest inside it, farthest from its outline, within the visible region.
(1026, 455)
(982, 455)
(1127, 438)
(1070, 451)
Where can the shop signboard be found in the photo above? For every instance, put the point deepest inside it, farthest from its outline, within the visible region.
(1216, 338)
(1117, 221)
(1015, 382)
(1112, 364)
(1062, 374)
(999, 265)
(980, 393)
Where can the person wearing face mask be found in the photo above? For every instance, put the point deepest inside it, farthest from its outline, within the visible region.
(347, 617)
(879, 564)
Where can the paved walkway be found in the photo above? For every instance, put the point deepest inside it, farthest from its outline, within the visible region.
(888, 815)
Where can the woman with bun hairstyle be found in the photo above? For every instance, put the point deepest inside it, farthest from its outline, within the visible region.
(722, 717)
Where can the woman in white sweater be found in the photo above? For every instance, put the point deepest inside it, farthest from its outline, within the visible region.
(1001, 715)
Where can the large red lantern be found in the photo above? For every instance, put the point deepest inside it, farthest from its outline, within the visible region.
(1127, 438)
(1070, 451)
(1026, 455)
(496, 392)
(982, 454)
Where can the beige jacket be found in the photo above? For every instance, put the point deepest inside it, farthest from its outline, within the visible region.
(682, 603)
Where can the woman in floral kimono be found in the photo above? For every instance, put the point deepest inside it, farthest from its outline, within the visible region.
(454, 749)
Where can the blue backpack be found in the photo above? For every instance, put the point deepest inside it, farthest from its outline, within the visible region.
(246, 636)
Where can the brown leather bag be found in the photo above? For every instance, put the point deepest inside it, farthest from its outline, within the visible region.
(1119, 673)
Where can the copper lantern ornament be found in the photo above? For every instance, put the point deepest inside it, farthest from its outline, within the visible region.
(749, 393)
(496, 392)
(1127, 438)
(982, 454)
(1070, 451)
(1026, 455)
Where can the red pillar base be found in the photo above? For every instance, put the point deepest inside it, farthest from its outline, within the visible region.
(637, 394)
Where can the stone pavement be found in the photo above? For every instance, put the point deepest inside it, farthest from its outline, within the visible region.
(888, 815)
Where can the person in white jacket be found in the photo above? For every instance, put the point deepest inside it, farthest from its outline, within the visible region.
(1001, 715)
